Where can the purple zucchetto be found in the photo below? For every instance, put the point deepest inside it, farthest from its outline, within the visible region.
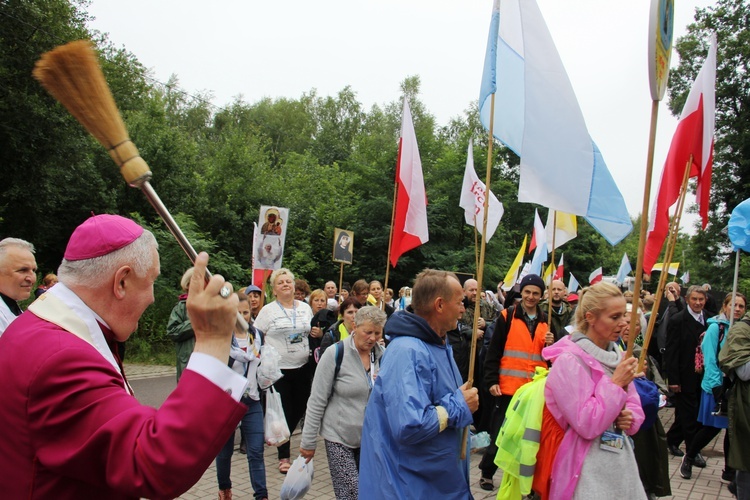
(100, 235)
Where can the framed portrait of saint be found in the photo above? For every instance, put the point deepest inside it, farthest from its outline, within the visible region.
(343, 245)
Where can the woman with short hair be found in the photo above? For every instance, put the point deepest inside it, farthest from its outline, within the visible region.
(340, 390)
(285, 323)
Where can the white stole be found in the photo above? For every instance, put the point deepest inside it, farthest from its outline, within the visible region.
(62, 307)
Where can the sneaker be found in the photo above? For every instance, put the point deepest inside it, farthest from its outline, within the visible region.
(728, 475)
(699, 461)
(732, 488)
(686, 467)
(486, 483)
(676, 451)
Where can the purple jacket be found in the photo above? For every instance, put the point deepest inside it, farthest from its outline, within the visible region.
(585, 402)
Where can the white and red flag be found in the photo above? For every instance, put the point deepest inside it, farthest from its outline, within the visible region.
(410, 223)
(559, 272)
(539, 234)
(539, 241)
(693, 145)
(473, 193)
(596, 276)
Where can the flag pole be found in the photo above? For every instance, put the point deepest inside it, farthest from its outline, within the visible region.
(341, 277)
(476, 244)
(734, 286)
(549, 298)
(480, 267)
(390, 235)
(668, 254)
(644, 224)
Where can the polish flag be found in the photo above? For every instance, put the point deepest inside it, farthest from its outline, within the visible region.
(410, 223)
(595, 277)
(539, 234)
(559, 273)
(692, 145)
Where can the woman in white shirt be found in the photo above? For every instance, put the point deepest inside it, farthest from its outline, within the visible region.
(285, 323)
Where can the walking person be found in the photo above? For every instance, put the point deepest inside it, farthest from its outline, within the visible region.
(711, 425)
(285, 324)
(244, 358)
(340, 389)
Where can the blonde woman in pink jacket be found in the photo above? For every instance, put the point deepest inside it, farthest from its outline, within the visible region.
(589, 393)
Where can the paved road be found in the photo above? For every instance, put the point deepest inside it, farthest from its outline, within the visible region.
(153, 384)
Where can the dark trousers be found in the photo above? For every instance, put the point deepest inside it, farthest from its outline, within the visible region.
(704, 436)
(294, 388)
(685, 424)
(487, 465)
(743, 485)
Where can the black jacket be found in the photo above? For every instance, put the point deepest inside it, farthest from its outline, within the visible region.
(683, 334)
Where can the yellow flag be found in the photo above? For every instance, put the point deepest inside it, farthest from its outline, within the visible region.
(673, 266)
(566, 228)
(512, 276)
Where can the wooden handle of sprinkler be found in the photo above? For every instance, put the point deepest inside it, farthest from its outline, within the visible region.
(182, 240)
(72, 74)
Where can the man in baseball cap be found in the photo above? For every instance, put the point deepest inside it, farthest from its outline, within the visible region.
(73, 427)
(514, 352)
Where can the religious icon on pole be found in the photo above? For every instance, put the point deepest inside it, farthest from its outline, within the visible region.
(343, 245)
(268, 248)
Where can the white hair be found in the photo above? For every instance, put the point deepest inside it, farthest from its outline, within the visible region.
(90, 272)
(15, 242)
(370, 314)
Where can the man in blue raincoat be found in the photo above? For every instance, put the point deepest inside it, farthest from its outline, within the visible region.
(414, 421)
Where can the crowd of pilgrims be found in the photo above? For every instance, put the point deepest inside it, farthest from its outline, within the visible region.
(302, 324)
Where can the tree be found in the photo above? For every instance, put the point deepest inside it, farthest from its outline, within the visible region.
(730, 20)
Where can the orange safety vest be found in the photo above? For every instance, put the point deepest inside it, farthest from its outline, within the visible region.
(521, 355)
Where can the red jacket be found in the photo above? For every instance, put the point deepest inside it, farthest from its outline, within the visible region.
(70, 430)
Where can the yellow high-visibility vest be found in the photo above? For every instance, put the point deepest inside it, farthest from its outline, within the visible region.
(518, 439)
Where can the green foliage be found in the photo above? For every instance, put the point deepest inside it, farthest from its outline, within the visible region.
(709, 255)
(328, 159)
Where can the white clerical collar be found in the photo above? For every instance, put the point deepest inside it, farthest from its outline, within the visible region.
(89, 317)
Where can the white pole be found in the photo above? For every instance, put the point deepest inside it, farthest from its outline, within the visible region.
(734, 286)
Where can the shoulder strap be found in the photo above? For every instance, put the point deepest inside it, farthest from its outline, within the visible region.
(722, 327)
(511, 311)
(339, 358)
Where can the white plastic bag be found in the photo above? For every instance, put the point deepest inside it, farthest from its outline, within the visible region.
(298, 480)
(276, 430)
(268, 371)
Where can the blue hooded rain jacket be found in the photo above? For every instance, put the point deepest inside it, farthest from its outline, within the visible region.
(404, 455)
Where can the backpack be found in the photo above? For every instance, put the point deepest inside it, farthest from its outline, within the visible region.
(699, 362)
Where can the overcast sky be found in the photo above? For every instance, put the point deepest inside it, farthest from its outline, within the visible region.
(284, 48)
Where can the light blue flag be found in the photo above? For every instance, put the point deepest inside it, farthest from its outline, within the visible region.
(624, 270)
(538, 260)
(739, 226)
(573, 285)
(537, 116)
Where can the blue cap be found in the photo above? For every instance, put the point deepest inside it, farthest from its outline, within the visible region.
(252, 288)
